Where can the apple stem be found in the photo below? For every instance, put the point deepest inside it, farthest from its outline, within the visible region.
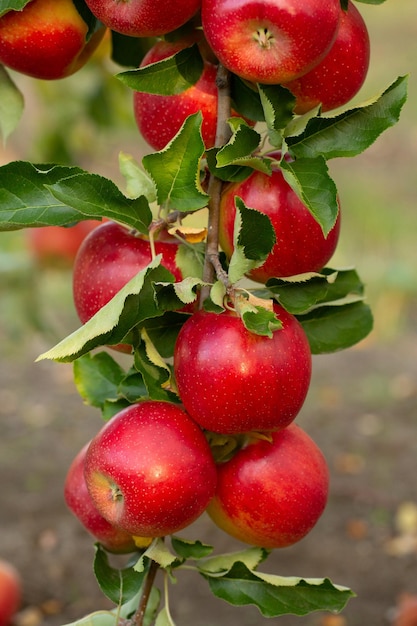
(138, 617)
(212, 265)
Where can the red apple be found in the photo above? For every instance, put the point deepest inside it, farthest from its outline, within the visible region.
(10, 592)
(143, 18)
(46, 39)
(300, 243)
(57, 246)
(159, 118)
(342, 72)
(107, 259)
(150, 470)
(272, 493)
(270, 41)
(78, 500)
(232, 381)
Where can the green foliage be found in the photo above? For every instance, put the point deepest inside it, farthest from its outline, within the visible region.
(11, 104)
(172, 75)
(12, 5)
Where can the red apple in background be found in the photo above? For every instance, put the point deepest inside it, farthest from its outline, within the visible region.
(159, 118)
(272, 493)
(300, 243)
(233, 381)
(107, 259)
(342, 72)
(57, 246)
(10, 592)
(270, 41)
(80, 503)
(46, 39)
(143, 18)
(150, 470)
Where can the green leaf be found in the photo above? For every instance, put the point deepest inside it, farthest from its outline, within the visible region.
(333, 328)
(259, 320)
(119, 585)
(164, 618)
(12, 5)
(138, 182)
(48, 194)
(168, 77)
(129, 51)
(97, 378)
(276, 595)
(246, 99)
(223, 563)
(11, 104)
(155, 372)
(133, 304)
(190, 259)
(175, 170)
(163, 331)
(159, 552)
(354, 130)
(132, 387)
(244, 141)
(95, 195)
(190, 549)
(299, 296)
(278, 104)
(254, 238)
(310, 180)
(111, 618)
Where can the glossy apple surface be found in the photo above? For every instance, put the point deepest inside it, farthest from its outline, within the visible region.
(233, 381)
(273, 41)
(107, 259)
(57, 246)
(342, 72)
(143, 18)
(150, 470)
(46, 40)
(79, 501)
(159, 118)
(271, 494)
(10, 592)
(300, 244)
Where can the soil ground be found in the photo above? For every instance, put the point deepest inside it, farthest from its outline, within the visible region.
(361, 410)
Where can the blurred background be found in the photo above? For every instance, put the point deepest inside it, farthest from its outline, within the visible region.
(361, 409)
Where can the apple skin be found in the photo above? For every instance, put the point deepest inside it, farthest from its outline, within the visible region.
(232, 381)
(57, 246)
(10, 592)
(270, 42)
(107, 259)
(46, 40)
(143, 18)
(272, 493)
(78, 500)
(150, 470)
(342, 72)
(159, 118)
(300, 243)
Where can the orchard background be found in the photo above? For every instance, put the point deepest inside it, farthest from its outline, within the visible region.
(360, 408)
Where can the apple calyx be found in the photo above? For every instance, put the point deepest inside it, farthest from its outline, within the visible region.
(264, 38)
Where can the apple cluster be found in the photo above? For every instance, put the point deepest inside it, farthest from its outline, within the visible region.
(154, 467)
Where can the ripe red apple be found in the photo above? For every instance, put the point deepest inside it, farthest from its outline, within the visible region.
(79, 501)
(107, 259)
(46, 39)
(57, 246)
(143, 18)
(159, 118)
(10, 592)
(150, 470)
(233, 381)
(270, 41)
(339, 76)
(300, 244)
(271, 494)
